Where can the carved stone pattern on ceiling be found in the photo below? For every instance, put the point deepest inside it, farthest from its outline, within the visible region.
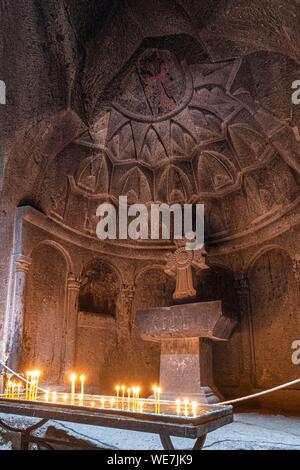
(178, 133)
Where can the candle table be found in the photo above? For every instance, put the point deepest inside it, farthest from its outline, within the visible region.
(166, 421)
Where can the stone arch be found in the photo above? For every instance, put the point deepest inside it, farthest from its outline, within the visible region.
(61, 249)
(251, 262)
(214, 172)
(136, 187)
(93, 174)
(174, 185)
(274, 315)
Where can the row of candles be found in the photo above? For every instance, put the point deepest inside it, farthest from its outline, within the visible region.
(13, 389)
(125, 398)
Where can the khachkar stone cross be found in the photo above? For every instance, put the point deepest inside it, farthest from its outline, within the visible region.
(179, 264)
(185, 332)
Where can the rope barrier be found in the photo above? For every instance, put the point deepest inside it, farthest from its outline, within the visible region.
(19, 376)
(259, 394)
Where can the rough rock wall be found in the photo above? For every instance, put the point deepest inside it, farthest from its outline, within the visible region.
(63, 63)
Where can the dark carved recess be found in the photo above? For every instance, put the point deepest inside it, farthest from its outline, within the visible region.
(99, 288)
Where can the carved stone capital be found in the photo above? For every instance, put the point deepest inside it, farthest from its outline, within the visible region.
(74, 281)
(241, 283)
(22, 263)
(296, 269)
(127, 292)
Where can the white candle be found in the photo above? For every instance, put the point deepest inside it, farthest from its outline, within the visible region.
(82, 379)
(194, 408)
(178, 407)
(73, 378)
(186, 402)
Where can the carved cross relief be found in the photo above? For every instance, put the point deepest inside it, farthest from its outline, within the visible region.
(179, 265)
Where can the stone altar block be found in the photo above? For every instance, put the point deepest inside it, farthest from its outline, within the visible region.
(185, 333)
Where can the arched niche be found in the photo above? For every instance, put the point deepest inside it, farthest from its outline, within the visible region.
(98, 293)
(274, 317)
(45, 303)
(97, 329)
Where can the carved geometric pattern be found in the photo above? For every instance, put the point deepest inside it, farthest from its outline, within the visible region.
(181, 133)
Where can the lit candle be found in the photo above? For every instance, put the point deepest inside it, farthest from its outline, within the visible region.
(92, 404)
(112, 401)
(30, 385)
(54, 397)
(178, 407)
(82, 379)
(117, 389)
(73, 378)
(134, 395)
(128, 392)
(141, 407)
(186, 403)
(12, 389)
(158, 399)
(103, 402)
(37, 379)
(27, 384)
(8, 388)
(154, 390)
(47, 395)
(194, 408)
(123, 391)
(31, 389)
(65, 397)
(19, 389)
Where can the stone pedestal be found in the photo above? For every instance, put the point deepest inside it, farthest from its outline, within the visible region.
(185, 333)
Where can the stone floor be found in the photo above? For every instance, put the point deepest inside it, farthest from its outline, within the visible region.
(249, 431)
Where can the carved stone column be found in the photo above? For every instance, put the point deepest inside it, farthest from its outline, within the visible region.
(73, 286)
(241, 285)
(127, 292)
(296, 269)
(22, 265)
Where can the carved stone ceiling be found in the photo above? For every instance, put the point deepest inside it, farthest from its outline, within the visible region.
(179, 132)
(191, 105)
